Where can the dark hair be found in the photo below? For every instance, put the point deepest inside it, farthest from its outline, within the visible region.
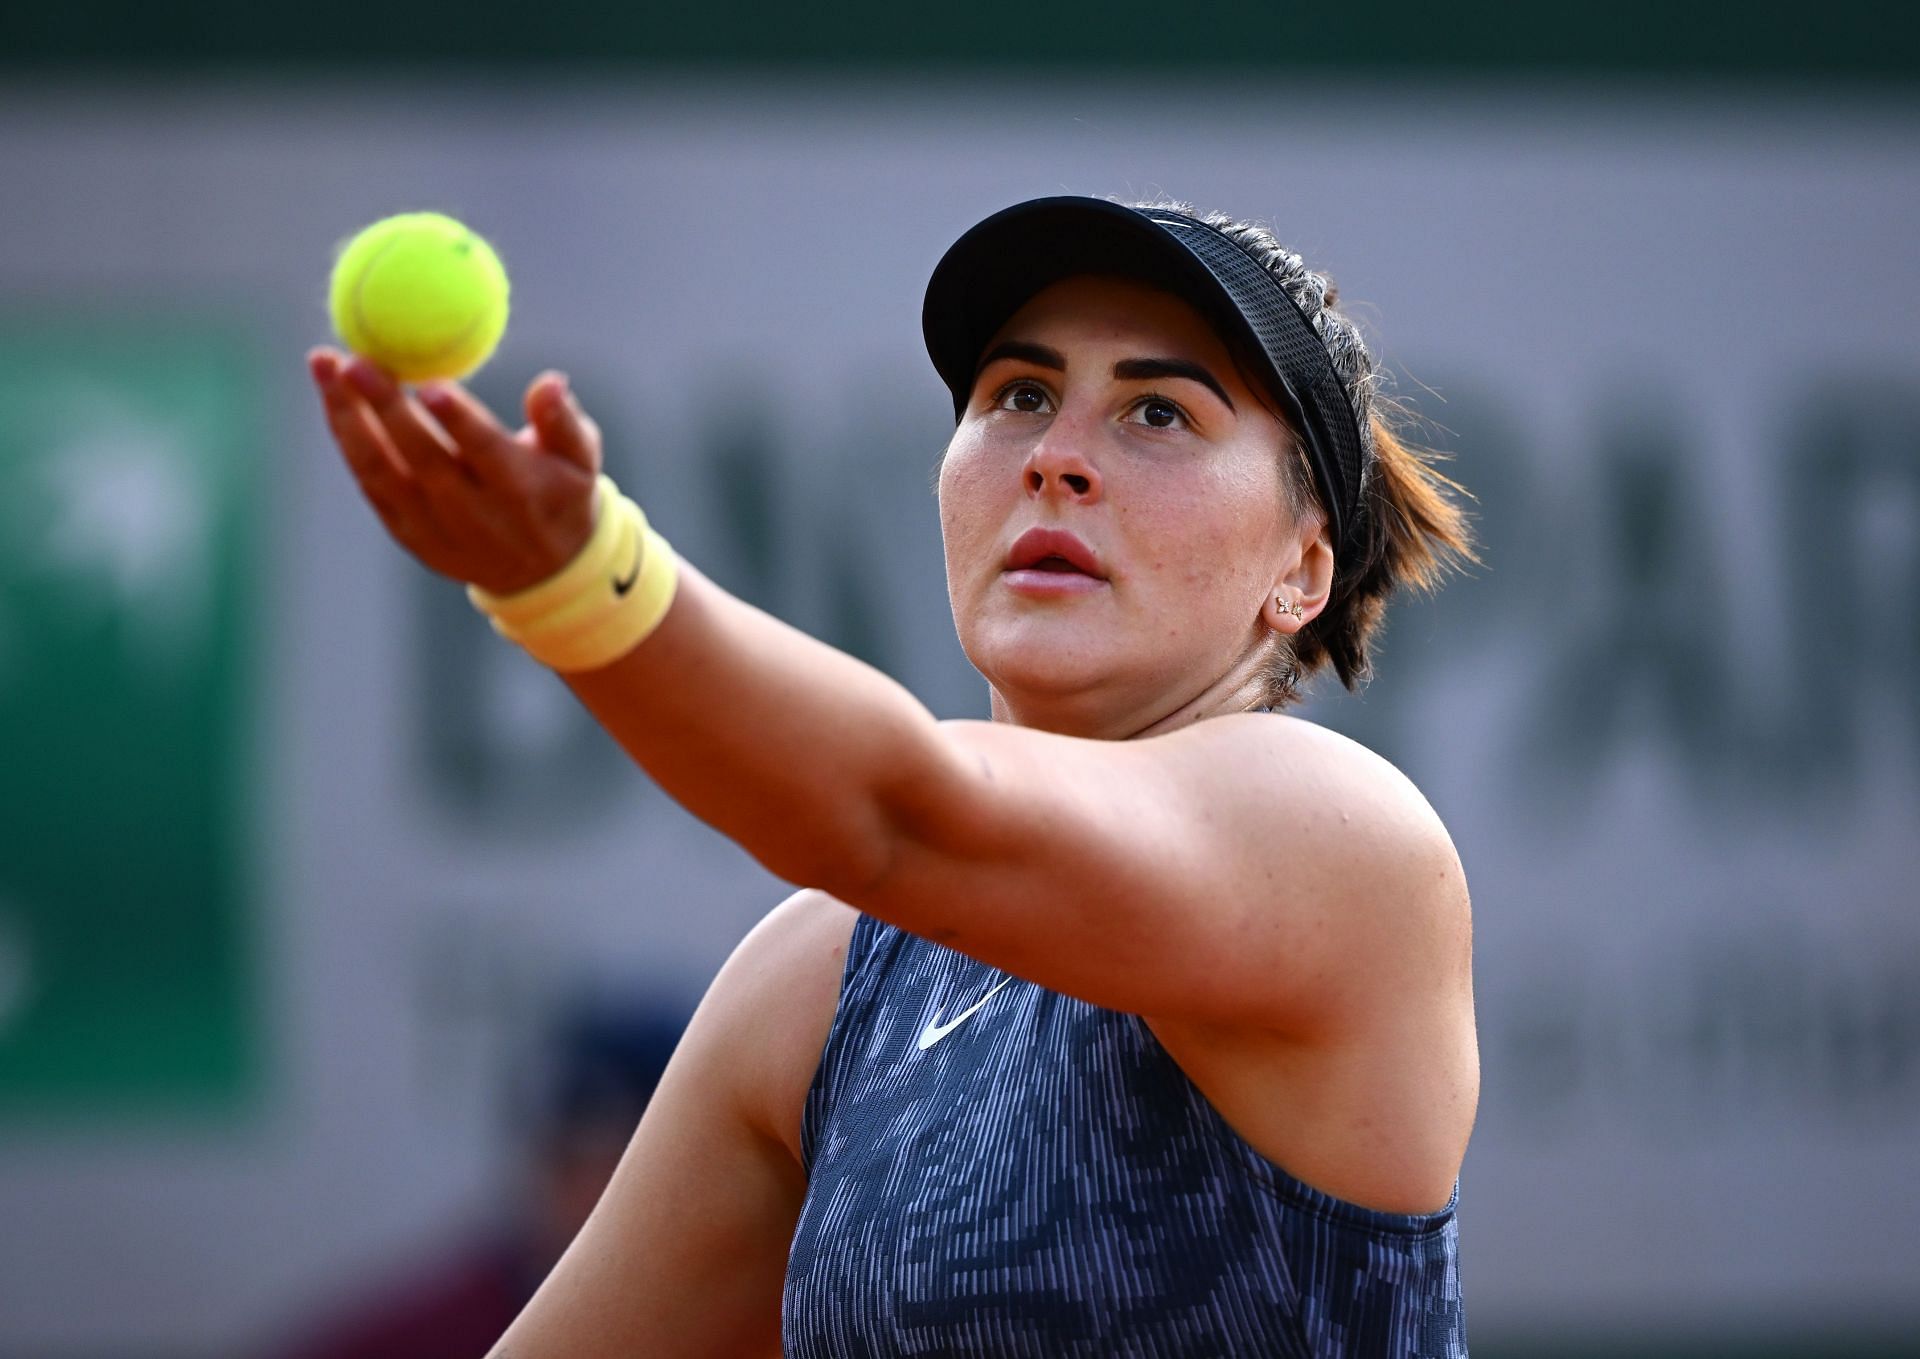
(1411, 528)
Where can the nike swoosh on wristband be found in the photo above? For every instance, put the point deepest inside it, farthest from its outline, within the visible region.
(621, 586)
(935, 1031)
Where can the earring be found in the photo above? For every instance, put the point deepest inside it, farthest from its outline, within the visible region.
(1291, 606)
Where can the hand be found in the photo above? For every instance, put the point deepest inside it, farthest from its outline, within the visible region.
(469, 499)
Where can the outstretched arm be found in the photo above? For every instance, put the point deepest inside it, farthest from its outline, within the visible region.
(1164, 876)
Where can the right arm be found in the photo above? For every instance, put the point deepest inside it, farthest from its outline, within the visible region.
(686, 1253)
(1143, 876)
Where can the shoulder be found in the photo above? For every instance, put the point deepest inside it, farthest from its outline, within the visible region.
(1330, 788)
(773, 1004)
(1345, 826)
(796, 943)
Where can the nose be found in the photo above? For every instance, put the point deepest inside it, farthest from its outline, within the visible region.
(1059, 467)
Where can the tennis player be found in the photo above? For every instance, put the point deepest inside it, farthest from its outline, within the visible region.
(1136, 1021)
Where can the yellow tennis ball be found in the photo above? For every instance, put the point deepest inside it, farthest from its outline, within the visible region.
(420, 295)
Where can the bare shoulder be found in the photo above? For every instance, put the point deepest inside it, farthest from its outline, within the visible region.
(773, 1003)
(1345, 827)
(1364, 1078)
(1293, 747)
(1332, 790)
(686, 1251)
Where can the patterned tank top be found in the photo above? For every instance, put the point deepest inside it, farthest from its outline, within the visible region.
(994, 1169)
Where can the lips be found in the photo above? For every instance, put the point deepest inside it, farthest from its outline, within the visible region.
(1056, 550)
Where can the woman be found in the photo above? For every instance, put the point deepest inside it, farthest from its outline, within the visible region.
(1135, 1021)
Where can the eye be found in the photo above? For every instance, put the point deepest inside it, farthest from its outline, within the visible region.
(1028, 398)
(1157, 412)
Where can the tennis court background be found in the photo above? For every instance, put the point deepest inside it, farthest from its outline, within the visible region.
(1672, 725)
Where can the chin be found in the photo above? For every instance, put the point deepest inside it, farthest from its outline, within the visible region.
(1043, 659)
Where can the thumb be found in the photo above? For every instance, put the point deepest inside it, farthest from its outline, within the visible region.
(559, 424)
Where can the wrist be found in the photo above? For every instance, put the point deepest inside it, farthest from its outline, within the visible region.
(600, 605)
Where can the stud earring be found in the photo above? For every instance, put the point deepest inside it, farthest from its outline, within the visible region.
(1291, 606)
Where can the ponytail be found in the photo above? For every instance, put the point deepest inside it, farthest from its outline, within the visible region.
(1414, 532)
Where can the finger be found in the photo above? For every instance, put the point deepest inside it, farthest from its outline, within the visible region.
(379, 471)
(323, 364)
(426, 448)
(559, 423)
(370, 456)
(485, 446)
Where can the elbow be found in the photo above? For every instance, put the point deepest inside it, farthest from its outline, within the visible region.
(848, 866)
(926, 809)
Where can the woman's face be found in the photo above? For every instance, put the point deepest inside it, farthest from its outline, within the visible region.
(1109, 412)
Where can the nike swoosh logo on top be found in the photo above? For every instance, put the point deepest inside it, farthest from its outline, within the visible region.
(620, 587)
(935, 1031)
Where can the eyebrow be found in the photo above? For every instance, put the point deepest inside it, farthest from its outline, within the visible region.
(1175, 368)
(1127, 369)
(1027, 352)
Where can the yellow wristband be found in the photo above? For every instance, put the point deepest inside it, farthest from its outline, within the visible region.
(600, 605)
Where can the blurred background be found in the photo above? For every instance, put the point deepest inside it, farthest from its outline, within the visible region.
(338, 950)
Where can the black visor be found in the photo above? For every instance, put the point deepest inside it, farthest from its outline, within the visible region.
(992, 271)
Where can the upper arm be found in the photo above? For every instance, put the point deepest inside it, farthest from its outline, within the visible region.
(1247, 870)
(686, 1252)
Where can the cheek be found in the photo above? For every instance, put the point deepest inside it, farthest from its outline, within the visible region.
(1209, 537)
(969, 511)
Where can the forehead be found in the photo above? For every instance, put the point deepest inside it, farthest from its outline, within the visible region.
(1099, 309)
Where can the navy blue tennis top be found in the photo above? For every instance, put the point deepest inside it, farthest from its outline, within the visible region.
(996, 1170)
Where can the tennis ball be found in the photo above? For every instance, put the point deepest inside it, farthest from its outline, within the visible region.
(420, 295)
